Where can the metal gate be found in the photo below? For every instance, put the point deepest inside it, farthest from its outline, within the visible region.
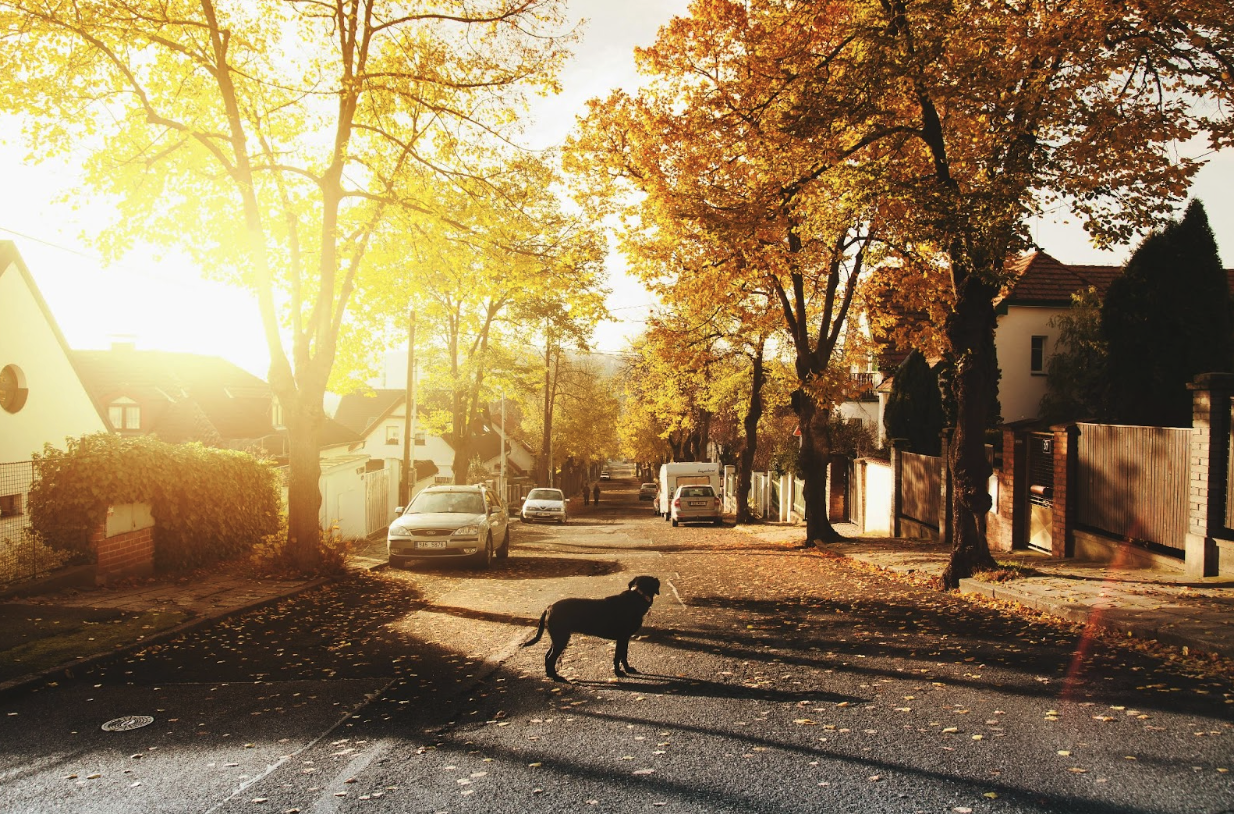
(1040, 514)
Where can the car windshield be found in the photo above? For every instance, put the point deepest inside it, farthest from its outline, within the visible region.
(696, 491)
(545, 494)
(447, 503)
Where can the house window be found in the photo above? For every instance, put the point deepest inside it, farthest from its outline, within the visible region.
(1036, 364)
(392, 435)
(443, 479)
(124, 414)
(10, 505)
(276, 414)
(420, 439)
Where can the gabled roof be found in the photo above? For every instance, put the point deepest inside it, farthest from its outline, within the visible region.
(359, 411)
(184, 396)
(1039, 279)
(11, 259)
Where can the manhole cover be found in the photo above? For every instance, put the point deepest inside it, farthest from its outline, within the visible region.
(127, 722)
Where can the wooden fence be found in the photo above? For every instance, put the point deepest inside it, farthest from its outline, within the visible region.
(1132, 482)
(921, 493)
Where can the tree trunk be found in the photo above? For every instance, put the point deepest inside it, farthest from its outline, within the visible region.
(745, 462)
(970, 330)
(814, 458)
(545, 459)
(304, 424)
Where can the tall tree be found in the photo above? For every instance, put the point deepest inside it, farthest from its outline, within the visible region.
(1001, 109)
(1165, 319)
(270, 140)
(915, 408)
(716, 148)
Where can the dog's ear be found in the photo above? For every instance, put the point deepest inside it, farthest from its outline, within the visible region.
(632, 584)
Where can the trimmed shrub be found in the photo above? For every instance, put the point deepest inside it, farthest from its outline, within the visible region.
(208, 504)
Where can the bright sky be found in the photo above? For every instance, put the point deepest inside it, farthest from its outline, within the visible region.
(165, 305)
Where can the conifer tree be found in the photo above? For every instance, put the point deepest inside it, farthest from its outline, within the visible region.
(1166, 319)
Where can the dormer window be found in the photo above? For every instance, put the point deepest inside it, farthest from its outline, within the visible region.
(124, 414)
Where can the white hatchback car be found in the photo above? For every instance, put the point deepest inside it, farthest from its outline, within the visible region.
(544, 504)
(694, 504)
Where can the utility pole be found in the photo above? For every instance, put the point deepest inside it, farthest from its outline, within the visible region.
(406, 483)
(504, 490)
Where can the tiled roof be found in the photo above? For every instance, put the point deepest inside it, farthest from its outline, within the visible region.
(358, 411)
(1039, 279)
(227, 401)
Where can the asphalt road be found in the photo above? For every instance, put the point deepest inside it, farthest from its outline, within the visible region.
(775, 679)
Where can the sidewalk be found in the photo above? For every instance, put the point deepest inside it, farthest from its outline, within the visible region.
(1195, 615)
(68, 630)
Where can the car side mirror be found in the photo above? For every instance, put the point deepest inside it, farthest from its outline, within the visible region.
(399, 510)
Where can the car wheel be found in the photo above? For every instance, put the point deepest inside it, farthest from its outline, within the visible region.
(504, 551)
(398, 562)
(719, 521)
(674, 520)
(484, 558)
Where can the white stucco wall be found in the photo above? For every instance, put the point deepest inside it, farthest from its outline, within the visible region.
(868, 413)
(57, 406)
(1019, 390)
(879, 485)
(433, 449)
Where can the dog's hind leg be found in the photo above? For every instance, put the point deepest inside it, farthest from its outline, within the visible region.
(558, 642)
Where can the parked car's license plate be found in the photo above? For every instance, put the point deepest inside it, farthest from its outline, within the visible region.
(698, 503)
(431, 544)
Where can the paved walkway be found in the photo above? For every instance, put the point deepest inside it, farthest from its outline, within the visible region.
(1197, 615)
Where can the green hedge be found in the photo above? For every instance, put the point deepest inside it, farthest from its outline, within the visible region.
(208, 504)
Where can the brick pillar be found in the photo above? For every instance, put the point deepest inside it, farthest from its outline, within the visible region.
(945, 508)
(897, 484)
(1209, 472)
(1001, 530)
(1062, 532)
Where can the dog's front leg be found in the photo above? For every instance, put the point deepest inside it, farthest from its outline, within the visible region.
(621, 659)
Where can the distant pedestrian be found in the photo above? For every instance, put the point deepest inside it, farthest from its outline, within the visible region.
(595, 493)
(584, 494)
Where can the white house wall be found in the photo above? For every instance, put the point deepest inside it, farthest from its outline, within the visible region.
(1020, 390)
(57, 406)
(867, 412)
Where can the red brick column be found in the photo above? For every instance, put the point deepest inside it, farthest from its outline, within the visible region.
(1000, 531)
(1208, 477)
(130, 554)
(1062, 541)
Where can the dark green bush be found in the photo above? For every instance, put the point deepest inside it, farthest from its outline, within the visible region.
(208, 504)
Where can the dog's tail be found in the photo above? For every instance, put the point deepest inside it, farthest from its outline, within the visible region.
(539, 631)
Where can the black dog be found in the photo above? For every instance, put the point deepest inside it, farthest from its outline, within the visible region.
(615, 617)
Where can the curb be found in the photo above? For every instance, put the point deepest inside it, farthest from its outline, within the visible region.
(67, 669)
(1102, 618)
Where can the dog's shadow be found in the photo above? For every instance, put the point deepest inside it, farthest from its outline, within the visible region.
(685, 686)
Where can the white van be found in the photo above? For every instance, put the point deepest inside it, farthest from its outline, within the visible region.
(694, 473)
